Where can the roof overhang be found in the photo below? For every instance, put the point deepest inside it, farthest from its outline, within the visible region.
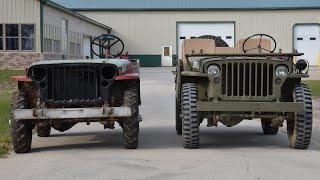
(73, 13)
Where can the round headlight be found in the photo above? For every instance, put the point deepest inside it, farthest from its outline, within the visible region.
(282, 71)
(214, 70)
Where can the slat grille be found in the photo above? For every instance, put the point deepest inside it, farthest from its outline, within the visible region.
(68, 83)
(247, 79)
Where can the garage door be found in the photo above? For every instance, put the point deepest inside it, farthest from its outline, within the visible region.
(187, 30)
(307, 41)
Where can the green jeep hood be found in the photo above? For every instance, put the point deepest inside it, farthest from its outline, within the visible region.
(122, 64)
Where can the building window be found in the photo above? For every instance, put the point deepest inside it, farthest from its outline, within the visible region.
(56, 46)
(17, 37)
(78, 49)
(72, 48)
(28, 37)
(47, 45)
(1, 37)
(12, 36)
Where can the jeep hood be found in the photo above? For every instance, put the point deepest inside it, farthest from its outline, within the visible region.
(121, 64)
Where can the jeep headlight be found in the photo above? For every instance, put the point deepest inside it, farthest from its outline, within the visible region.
(213, 70)
(195, 66)
(282, 71)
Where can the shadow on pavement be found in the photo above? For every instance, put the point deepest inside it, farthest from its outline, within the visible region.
(165, 138)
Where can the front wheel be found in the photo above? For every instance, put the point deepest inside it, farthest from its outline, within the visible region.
(190, 122)
(21, 131)
(130, 126)
(178, 118)
(299, 127)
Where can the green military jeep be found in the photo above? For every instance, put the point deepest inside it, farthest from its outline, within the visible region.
(227, 85)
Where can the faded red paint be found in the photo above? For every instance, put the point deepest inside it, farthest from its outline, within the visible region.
(128, 76)
(21, 78)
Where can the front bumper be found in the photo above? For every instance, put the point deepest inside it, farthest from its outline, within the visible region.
(72, 113)
(249, 106)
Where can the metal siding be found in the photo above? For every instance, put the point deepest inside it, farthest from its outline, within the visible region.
(54, 18)
(144, 32)
(21, 12)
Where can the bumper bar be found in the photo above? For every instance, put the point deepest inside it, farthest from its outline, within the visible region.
(71, 113)
(250, 106)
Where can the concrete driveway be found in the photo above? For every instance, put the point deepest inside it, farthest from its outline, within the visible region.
(89, 152)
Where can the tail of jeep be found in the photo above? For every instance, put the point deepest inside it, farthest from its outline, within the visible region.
(61, 93)
(229, 85)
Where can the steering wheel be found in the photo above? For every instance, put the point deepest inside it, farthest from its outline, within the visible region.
(106, 42)
(259, 47)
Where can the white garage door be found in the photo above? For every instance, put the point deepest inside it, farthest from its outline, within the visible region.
(188, 30)
(307, 41)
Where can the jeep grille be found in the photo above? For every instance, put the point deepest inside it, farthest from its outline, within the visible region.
(247, 79)
(66, 83)
(73, 84)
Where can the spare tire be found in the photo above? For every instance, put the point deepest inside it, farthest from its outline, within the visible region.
(219, 42)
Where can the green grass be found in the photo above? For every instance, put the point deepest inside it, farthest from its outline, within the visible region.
(6, 89)
(6, 74)
(5, 102)
(314, 86)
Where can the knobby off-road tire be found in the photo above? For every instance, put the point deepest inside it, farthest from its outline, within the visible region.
(299, 128)
(267, 128)
(190, 122)
(130, 126)
(178, 118)
(21, 131)
(44, 129)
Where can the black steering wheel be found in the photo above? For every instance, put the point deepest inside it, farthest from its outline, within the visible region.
(259, 47)
(105, 42)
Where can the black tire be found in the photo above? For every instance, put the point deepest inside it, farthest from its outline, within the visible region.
(218, 41)
(190, 122)
(130, 126)
(43, 129)
(299, 128)
(21, 131)
(178, 118)
(267, 128)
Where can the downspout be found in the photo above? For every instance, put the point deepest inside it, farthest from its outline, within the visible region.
(42, 4)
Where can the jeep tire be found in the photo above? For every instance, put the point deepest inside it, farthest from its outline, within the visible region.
(267, 128)
(190, 122)
(21, 131)
(130, 126)
(299, 127)
(178, 118)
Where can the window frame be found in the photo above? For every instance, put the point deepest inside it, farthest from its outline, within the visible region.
(34, 38)
(4, 37)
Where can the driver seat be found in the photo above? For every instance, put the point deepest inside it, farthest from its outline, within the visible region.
(253, 43)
